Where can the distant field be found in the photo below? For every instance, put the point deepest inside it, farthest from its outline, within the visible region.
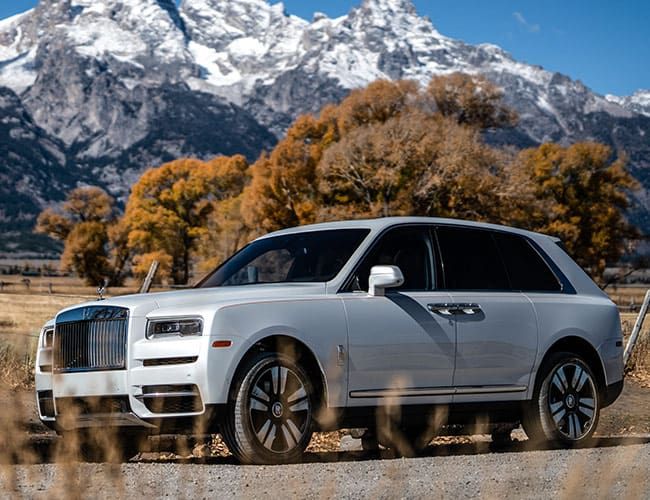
(58, 285)
(23, 315)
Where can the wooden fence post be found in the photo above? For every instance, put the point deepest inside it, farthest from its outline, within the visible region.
(636, 330)
(148, 281)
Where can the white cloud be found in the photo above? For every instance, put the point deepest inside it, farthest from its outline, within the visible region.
(531, 28)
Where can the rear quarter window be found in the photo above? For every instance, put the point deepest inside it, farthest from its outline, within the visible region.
(527, 270)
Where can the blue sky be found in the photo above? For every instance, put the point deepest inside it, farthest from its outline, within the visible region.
(603, 43)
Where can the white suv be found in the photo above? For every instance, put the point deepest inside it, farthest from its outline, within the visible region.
(401, 327)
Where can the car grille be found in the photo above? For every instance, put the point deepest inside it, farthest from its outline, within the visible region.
(90, 339)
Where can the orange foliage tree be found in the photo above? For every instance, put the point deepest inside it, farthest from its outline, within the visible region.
(583, 194)
(169, 206)
(94, 242)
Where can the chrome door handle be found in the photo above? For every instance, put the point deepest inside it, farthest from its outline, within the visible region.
(468, 309)
(452, 309)
(444, 309)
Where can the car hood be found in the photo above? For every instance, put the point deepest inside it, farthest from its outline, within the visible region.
(143, 303)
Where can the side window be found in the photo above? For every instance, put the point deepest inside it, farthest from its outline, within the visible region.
(471, 260)
(410, 249)
(526, 268)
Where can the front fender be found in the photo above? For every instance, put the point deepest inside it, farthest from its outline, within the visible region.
(319, 324)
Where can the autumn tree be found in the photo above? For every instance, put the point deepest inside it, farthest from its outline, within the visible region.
(94, 243)
(169, 206)
(226, 232)
(418, 164)
(584, 194)
(285, 190)
(377, 103)
(470, 100)
(372, 171)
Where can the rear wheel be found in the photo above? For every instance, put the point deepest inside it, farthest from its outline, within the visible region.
(566, 403)
(269, 417)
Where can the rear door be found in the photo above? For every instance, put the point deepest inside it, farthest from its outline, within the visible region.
(496, 325)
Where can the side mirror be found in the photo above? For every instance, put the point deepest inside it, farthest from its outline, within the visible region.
(382, 277)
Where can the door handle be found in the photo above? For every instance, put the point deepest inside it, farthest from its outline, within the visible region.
(452, 309)
(468, 309)
(444, 309)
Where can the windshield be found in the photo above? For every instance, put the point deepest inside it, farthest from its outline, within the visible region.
(308, 257)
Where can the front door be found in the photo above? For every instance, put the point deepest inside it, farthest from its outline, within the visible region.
(399, 348)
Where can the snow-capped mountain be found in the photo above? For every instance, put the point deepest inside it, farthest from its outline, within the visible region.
(639, 102)
(125, 84)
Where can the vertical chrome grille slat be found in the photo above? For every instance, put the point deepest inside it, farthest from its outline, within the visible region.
(91, 339)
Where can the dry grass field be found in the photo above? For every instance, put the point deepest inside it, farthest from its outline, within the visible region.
(25, 307)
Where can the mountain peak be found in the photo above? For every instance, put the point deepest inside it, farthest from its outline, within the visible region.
(390, 6)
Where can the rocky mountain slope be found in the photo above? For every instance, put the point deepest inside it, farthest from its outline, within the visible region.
(115, 86)
(639, 102)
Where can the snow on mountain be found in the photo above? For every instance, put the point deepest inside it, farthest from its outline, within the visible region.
(279, 66)
(639, 102)
(238, 43)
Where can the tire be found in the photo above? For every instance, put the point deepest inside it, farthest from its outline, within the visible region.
(270, 414)
(565, 407)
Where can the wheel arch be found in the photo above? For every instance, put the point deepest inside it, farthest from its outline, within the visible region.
(583, 348)
(294, 349)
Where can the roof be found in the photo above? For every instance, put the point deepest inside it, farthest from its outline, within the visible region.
(382, 223)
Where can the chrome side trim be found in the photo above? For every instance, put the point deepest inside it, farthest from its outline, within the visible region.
(491, 389)
(178, 394)
(432, 391)
(387, 393)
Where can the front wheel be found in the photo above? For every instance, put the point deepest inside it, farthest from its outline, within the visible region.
(269, 418)
(566, 404)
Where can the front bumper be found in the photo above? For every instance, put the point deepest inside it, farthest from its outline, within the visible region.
(169, 385)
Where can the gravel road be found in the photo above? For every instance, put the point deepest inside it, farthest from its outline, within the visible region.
(617, 467)
(456, 468)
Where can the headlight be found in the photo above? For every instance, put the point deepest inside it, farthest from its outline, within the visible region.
(48, 337)
(180, 327)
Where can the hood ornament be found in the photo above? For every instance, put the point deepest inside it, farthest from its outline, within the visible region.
(101, 290)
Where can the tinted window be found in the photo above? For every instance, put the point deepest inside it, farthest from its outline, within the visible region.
(409, 248)
(315, 256)
(526, 268)
(471, 260)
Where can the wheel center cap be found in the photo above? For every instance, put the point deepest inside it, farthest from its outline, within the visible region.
(277, 409)
(570, 401)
